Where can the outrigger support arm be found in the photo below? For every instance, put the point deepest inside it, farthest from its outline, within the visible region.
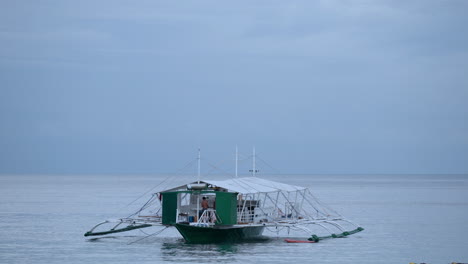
(128, 228)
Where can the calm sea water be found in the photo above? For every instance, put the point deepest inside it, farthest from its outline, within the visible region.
(408, 218)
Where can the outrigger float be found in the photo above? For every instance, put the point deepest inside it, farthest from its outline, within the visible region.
(240, 208)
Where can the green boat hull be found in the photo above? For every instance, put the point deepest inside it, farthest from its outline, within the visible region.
(219, 234)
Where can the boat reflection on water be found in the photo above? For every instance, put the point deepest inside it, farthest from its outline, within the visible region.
(178, 251)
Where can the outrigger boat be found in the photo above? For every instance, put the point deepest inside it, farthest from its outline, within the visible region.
(239, 208)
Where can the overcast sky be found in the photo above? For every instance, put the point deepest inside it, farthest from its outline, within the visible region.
(92, 87)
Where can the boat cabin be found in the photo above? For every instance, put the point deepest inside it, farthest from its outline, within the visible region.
(225, 207)
(183, 205)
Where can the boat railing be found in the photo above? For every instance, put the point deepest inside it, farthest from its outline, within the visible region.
(209, 216)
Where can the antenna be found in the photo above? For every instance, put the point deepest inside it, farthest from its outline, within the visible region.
(198, 175)
(253, 162)
(253, 170)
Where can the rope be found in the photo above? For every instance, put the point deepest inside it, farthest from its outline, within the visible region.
(214, 167)
(143, 207)
(154, 187)
(271, 167)
(156, 233)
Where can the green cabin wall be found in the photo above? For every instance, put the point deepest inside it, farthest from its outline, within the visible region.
(169, 208)
(226, 208)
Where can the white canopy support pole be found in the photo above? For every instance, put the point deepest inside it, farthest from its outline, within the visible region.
(276, 204)
(289, 202)
(302, 202)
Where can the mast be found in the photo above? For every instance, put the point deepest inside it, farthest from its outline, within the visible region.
(198, 181)
(253, 162)
(198, 174)
(237, 159)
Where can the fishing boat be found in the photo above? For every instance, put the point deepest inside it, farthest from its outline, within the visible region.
(236, 209)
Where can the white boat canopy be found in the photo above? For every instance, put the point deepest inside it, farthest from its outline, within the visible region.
(247, 185)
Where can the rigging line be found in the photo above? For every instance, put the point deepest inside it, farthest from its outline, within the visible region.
(302, 205)
(320, 209)
(155, 233)
(173, 181)
(242, 160)
(275, 206)
(239, 158)
(143, 232)
(271, 167)
(141, 209)
(172, 177)
(148, 203)
(244, 157)
(219, 164)
(289, 202)
(217, 168)
(187, 165)
(178, 181)
(324, 206)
